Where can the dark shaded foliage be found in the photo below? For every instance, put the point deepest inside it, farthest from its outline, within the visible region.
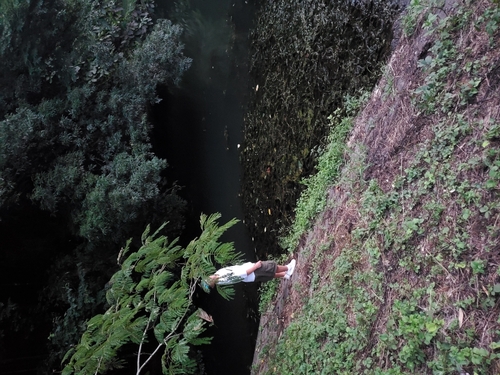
(76, 81)
(307, 55)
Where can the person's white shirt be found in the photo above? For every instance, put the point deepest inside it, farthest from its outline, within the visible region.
(235, 274)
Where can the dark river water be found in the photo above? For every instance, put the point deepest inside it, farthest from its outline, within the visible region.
(198, 129)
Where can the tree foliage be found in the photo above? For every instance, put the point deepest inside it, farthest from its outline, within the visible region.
(77, 77)
(151, 304)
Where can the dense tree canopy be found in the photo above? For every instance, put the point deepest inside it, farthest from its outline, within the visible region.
(77, 78)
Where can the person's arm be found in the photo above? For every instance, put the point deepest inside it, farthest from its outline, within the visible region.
(254, 267)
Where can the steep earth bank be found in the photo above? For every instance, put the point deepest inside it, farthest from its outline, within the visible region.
(400, 272)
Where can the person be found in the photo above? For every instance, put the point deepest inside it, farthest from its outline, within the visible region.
(260, 271)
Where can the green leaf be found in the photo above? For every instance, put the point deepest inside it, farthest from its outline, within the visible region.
(144, 283)
(495, 345)
(478, 355)
(432, 327)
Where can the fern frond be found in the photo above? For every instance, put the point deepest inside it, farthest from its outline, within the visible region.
(180, 351)
(157, 231)
(144, 295)
(143, 284)
(144, 237)
(226, 291)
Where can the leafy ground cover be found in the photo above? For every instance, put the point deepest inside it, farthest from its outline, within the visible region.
(399, 272)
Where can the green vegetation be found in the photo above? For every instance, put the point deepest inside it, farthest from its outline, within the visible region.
(313, 199)
(404, 276)
(94, 166)
(307, 55)
(268, 290)
(152, 308)
(77, 79)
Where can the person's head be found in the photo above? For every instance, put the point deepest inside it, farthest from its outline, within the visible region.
(208, 283)
(205, 286)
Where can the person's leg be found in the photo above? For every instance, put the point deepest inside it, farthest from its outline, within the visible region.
(266, 272)
(262, 274)
(280, 269)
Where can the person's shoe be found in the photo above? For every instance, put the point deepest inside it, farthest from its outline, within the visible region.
(291, 267)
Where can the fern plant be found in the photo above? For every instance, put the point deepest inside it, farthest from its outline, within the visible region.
(151, 306)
